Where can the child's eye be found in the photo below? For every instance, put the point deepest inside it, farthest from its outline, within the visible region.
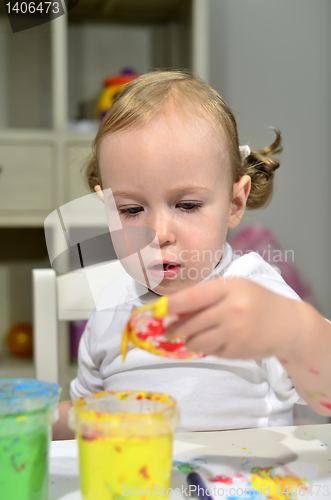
(131, 211)
(189, 206)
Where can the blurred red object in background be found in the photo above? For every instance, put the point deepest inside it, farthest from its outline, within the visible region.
(20, 340)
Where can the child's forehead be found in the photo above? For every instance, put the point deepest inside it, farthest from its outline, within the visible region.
(169, 146)
(179, 123)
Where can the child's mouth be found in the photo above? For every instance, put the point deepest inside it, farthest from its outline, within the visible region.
(166, 270)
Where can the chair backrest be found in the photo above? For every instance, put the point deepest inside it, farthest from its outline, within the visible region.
(66, 297)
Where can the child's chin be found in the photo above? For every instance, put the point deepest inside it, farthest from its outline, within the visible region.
(168, 287)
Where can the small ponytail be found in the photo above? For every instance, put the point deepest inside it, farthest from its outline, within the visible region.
(260, 165)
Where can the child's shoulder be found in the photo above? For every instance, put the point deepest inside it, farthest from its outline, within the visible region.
(253, 267)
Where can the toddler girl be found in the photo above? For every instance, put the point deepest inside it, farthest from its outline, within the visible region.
(168, 149)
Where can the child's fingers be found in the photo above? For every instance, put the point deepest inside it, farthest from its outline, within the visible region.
(192, 323)
(198, 297)
(207, 341)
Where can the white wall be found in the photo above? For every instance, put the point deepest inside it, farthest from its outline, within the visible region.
(3, 72)
(271, 61)
(97, 51)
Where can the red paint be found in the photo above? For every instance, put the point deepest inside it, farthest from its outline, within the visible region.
(221, 479)
(284, 361)
(315, 372)
(155, 329)
(324, 403)
(169, 346)
(139, 397)
(237, 474)
(143, 472)
(89, 438)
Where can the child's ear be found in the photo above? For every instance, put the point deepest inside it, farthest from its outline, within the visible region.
(240, 194)
(99, 192)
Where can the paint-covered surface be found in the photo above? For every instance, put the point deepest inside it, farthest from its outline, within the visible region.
(145, 329)
(234, 478)
(225, 460)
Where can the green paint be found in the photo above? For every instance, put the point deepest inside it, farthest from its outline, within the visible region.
(268, 352)
(24, 459)
(187, 468)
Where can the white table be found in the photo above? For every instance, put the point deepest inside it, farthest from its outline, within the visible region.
(309, 446)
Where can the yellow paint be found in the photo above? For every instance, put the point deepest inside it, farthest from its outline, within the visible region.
(108, 464)
(124, 343)
(160, 309)
(276, 487)
(21, 418)
(125, 449)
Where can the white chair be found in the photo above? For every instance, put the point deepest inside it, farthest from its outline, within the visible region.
(67, 297)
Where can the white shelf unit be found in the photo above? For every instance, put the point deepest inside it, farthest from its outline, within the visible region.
(40, 164)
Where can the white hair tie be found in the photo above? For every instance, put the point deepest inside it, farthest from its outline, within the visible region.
(244, 151)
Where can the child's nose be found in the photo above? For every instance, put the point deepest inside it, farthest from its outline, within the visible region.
(164, 227)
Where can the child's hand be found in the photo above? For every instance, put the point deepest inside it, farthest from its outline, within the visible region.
(236, 319)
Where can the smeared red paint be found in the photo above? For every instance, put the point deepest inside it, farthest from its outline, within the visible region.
(315, 372)
(221, 479)
(89, 438)
(237, 474)
(284, 361)
(154, 329)
(143, 472)
(139, 397)
(169, 346)
(324, 403)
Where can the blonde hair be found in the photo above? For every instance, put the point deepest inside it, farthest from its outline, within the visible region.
(147, 96)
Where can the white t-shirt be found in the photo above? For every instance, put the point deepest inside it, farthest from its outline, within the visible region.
(212, 393)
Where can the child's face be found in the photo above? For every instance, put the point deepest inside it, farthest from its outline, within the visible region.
(173, 175)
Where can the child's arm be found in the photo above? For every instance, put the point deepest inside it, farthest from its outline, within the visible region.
(61, 429)
(239, 319)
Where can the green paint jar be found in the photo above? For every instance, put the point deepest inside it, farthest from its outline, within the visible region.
(28, 407)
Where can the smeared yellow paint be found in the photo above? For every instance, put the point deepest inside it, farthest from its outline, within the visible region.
(276, 487)
(160, 309)
(157, 310)
(124, 343)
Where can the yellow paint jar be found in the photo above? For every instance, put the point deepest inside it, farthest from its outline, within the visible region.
(125, 443)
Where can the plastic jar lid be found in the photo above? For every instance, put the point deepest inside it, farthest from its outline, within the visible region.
(23, 395)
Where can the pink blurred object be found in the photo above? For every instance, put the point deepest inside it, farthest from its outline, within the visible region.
(260, 239)
(76, 329)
